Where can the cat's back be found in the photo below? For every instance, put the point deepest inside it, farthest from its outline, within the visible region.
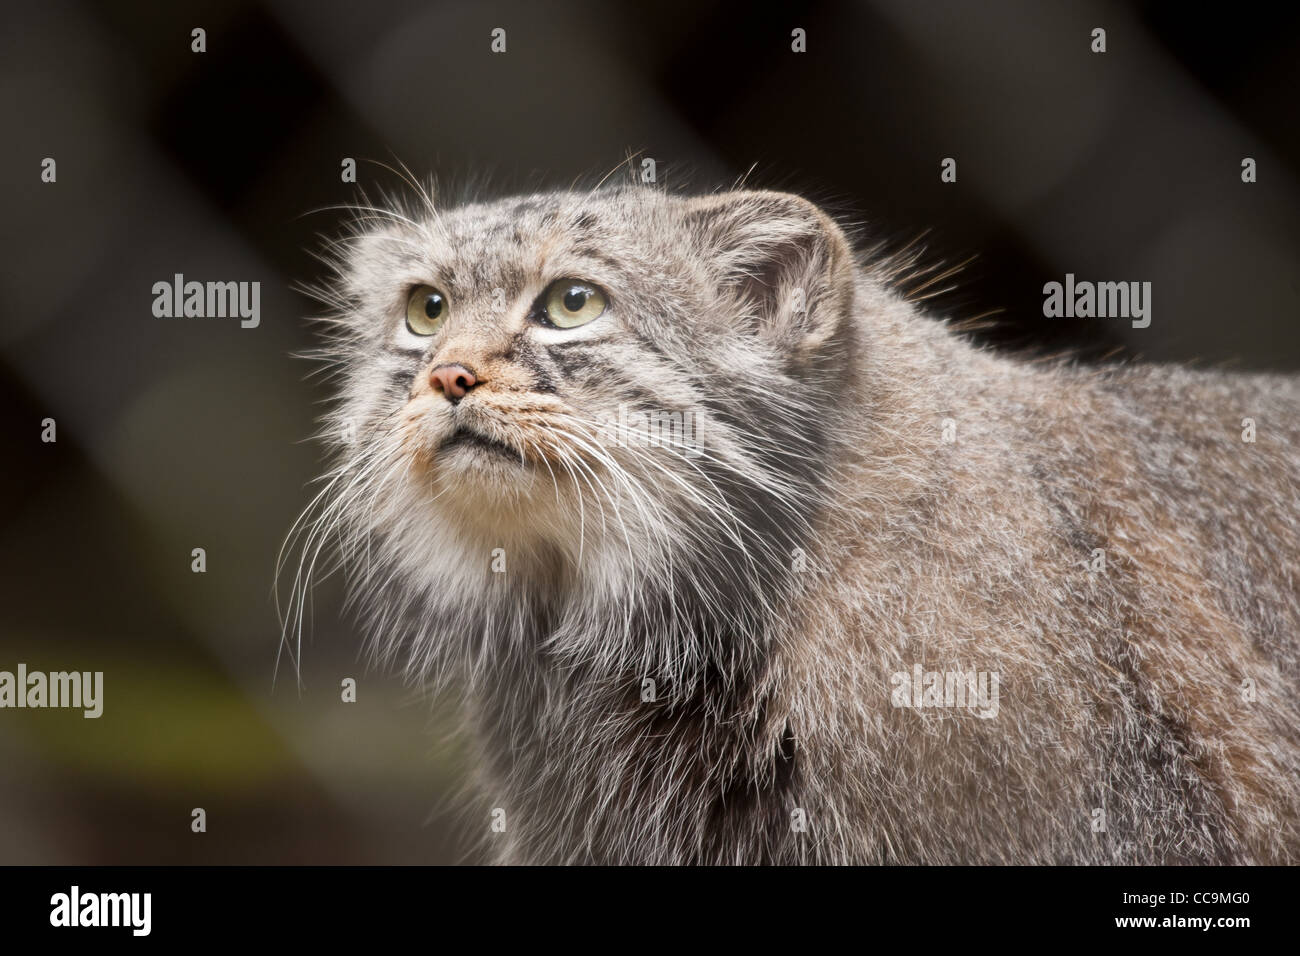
(1201, 467)
(1117, 545)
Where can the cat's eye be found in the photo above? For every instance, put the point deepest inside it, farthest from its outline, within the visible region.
(570, 303)
(426, 310)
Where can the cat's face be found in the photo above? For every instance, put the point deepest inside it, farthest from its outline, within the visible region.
(585, 381)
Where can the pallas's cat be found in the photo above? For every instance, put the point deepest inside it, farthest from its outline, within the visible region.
(734, 556)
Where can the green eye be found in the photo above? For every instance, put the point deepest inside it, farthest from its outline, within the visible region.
(426, 310)
(572, 302)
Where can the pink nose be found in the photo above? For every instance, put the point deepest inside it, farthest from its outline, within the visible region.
(454, 381)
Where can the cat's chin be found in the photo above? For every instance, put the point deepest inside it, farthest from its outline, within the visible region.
(481, 460)
(490, 500)
(481, 478)
(474, 475)
(469, 459)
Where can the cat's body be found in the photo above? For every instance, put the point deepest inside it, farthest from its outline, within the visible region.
(676, 655)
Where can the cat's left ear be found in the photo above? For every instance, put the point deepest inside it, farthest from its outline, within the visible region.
(785, 259)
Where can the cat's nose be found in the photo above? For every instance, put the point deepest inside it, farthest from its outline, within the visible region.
(454, 381)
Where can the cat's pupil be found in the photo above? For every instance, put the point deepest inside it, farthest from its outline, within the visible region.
(575, 299)
(433, 306)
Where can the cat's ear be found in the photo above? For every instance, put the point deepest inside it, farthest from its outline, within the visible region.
(364, 260)
(785, 260)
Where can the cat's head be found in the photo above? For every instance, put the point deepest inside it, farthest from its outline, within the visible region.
(606, 395)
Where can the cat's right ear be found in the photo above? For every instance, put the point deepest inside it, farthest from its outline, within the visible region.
(370, 252)
(787, 262)
(363, 261)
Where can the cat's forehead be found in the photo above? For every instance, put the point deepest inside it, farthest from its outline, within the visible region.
(510, 243)
(525, 220)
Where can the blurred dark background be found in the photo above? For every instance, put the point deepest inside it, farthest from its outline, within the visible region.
(175, 434)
